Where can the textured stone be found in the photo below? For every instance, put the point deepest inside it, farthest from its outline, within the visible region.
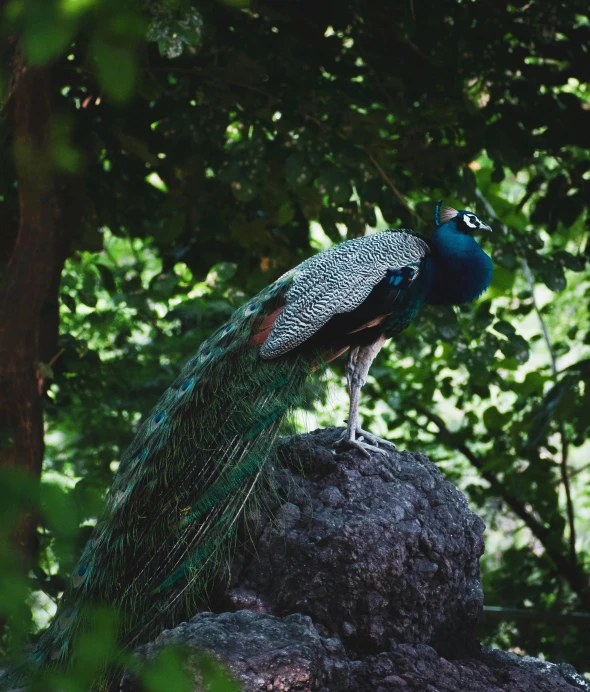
(420, 669)
(266, 653)
(375, 550)
(261, 651)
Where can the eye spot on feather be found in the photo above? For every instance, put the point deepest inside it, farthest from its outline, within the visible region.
(140, 457)
(79, 575)
(66, 618)
(119, 497)
(98, 534)
(185, 386)
(251, 309)
(228, 329)
(157, 419)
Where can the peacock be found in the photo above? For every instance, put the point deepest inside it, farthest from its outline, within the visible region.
(196, 462)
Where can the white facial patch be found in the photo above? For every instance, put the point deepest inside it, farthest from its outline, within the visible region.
(471, 220)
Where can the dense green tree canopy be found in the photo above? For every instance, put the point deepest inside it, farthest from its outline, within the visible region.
(163, 161)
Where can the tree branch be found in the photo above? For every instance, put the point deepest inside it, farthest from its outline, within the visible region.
(570, 571)
(394, 189)
(500, 614)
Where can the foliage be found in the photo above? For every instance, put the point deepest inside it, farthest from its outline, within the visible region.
(206, 137)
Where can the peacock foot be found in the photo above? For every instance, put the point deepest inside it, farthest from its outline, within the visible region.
(365, 442)
(379, 442)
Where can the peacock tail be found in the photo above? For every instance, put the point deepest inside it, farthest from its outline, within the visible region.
(183, 483)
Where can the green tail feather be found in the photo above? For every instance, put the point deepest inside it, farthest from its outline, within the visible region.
(182, 485)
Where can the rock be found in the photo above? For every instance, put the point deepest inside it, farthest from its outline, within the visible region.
(261, 651)
(420, 669)
(266, 653)
(365, 580)
(375, 550)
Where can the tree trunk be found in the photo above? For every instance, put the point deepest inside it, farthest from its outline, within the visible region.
(29, 287)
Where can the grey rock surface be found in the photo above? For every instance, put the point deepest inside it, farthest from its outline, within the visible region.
(375, 550)
(262, 652)
(266, 653)
(421, 669)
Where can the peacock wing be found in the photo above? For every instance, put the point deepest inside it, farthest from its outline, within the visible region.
(337, 281)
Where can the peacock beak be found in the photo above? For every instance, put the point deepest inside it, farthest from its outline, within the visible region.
(485, 227)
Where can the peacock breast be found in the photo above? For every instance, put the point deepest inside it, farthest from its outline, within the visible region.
(462, 271)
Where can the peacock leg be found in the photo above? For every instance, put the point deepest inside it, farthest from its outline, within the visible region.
(359, 362)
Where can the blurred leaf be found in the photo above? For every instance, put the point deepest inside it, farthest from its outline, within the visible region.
(286, 214)
(45, 37)
(298, 171)
(116, 67)
(223, 271)
(553, 276)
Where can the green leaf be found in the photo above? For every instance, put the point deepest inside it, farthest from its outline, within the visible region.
(68, 301)
(136, 146)
(171, 227)
(243, 191)
(46, 36)
(335, 184)
(298, 172)
(116, 66)
(174, 36)
(223, 271)
(553, 276)
(502, 281)
(505, 328)
(107, 277)
(286, 214)
(493, 419)
(533, 383)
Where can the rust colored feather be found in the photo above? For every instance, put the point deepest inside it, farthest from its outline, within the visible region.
(373, 323)
(265, 326)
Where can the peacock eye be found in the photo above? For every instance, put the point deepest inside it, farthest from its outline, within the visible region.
(65, 618)
(79, 575)
(185, 387)
(157, 419)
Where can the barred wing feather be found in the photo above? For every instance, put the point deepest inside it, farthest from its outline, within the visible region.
(338, 281)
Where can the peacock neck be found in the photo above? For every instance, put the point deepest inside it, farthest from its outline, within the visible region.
(461, 269)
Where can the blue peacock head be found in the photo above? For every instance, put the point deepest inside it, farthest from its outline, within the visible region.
(465, 221)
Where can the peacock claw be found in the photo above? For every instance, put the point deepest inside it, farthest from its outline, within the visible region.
(376, 440)
(365, 447)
